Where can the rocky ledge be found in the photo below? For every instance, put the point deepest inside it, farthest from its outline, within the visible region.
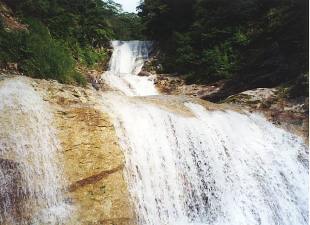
(291, 114)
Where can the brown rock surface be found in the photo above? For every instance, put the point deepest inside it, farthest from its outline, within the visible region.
(9, 21)
(290, 114)
(91, 157)
(172, 85)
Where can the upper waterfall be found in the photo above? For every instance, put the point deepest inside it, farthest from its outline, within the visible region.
(126, 62)
(129, 56)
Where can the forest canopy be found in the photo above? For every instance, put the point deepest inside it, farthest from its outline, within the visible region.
(254, 42)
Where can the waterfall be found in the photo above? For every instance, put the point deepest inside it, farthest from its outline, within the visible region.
(30, 181)
(126, 62)
(186, 165)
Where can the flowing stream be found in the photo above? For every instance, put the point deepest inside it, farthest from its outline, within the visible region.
(188, 165)
(30, 184)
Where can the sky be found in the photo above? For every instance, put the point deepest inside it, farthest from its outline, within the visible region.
(128, 5)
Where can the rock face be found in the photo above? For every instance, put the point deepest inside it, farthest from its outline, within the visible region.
(92, 159)
(290, 114)
(171, 85)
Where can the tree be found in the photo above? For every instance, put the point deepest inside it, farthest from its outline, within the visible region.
(258, 42)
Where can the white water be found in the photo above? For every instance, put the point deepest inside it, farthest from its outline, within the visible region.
(30, 181)
(126, 62)
(212, 168)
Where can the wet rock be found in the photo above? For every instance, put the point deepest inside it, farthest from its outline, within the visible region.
(11, 181)
(93, 161)
(175, 85)
(290, 114)
(144, 73)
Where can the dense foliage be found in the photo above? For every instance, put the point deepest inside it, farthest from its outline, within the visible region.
(254, 42)
(62, 33)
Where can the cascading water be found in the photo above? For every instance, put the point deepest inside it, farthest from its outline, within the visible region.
(206, 167)
(30, 183)
(126, 62)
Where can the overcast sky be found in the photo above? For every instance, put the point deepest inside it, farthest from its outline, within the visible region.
(128, 5)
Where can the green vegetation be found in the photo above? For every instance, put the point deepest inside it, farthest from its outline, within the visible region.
(62, 34)
(255, 43)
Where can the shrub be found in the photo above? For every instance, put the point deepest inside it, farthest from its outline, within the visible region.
(11, 45)
(78, 78)
(45, 56)
(90, 57)
(220, 61)
(300, 87)
(38, 54)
